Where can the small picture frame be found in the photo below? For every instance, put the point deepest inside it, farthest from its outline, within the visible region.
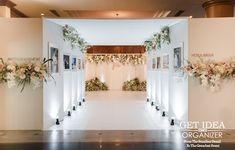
(153, 63)
(83, 64)
(66, 61)
(74, 63)
(79, 64)
(165, 61)
(178, 59)
(53, 54)
(159, 62)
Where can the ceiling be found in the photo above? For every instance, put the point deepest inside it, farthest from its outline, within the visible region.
(110, 8)
(116, 31)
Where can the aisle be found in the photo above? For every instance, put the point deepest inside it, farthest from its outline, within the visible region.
(115, 110)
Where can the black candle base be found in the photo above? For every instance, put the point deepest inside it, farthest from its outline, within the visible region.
(80, 104)
(69, 113)
(172, 122)
(57, 122)
(163, 114)
(83, 100)
(74, 108)
(157, 108)
(147, 99)
(152, 104)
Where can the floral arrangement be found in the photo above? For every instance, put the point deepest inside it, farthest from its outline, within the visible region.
(96, 85)
(134, 59)
(70, 34)
(157, 39)
(211, 73)
(134, 85)
(23, 74)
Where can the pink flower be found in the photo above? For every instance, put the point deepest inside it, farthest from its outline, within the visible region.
(1, 66)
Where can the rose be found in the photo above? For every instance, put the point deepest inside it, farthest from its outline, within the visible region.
(22, 76)
(11, 67)
(37, 69)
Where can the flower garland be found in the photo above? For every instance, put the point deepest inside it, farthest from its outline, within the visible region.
(70, 34)
(134, 59)
(134, 85)
(157, 39)
(23, 74)
(96, 85)
(211, 73)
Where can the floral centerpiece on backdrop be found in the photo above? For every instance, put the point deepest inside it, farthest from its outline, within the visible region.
(211, 73)
(23, 74)
(134, 85)
(157, 39)
(124, 59)
(96, 85)
(70, 34)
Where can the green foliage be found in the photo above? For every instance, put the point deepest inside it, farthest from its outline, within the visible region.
(134, 85)
(96, 85)
(157, 39)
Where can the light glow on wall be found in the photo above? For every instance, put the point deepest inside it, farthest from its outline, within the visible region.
(179, 110)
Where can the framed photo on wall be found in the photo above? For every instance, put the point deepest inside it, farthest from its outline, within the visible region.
(165, 61)
(79, 64)
(83, 64)
(178, 59)
(66, 61)
(158, 62)
(153, 63)
(53, 53)
(74, 63)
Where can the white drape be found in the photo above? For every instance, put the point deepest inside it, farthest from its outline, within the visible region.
(115, 74)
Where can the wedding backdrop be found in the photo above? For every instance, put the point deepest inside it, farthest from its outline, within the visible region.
(114, 74)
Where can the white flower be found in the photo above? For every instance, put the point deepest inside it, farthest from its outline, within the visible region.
(22, 76)
(10, 76)
(11, 83)
(204, 82)
(35, 82)
(11, 67)
(37, 68)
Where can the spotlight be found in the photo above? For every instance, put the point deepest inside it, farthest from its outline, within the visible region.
(172, 122)
(57, 121)
(152, 103)
(83, 99)
(147, 99)
(157, 108)
(163, 114)
(80, 103)
(69, 113)
(74, 107)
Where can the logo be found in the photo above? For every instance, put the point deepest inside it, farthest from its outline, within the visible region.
(205, 134)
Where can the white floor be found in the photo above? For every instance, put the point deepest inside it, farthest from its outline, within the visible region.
(115, 110)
